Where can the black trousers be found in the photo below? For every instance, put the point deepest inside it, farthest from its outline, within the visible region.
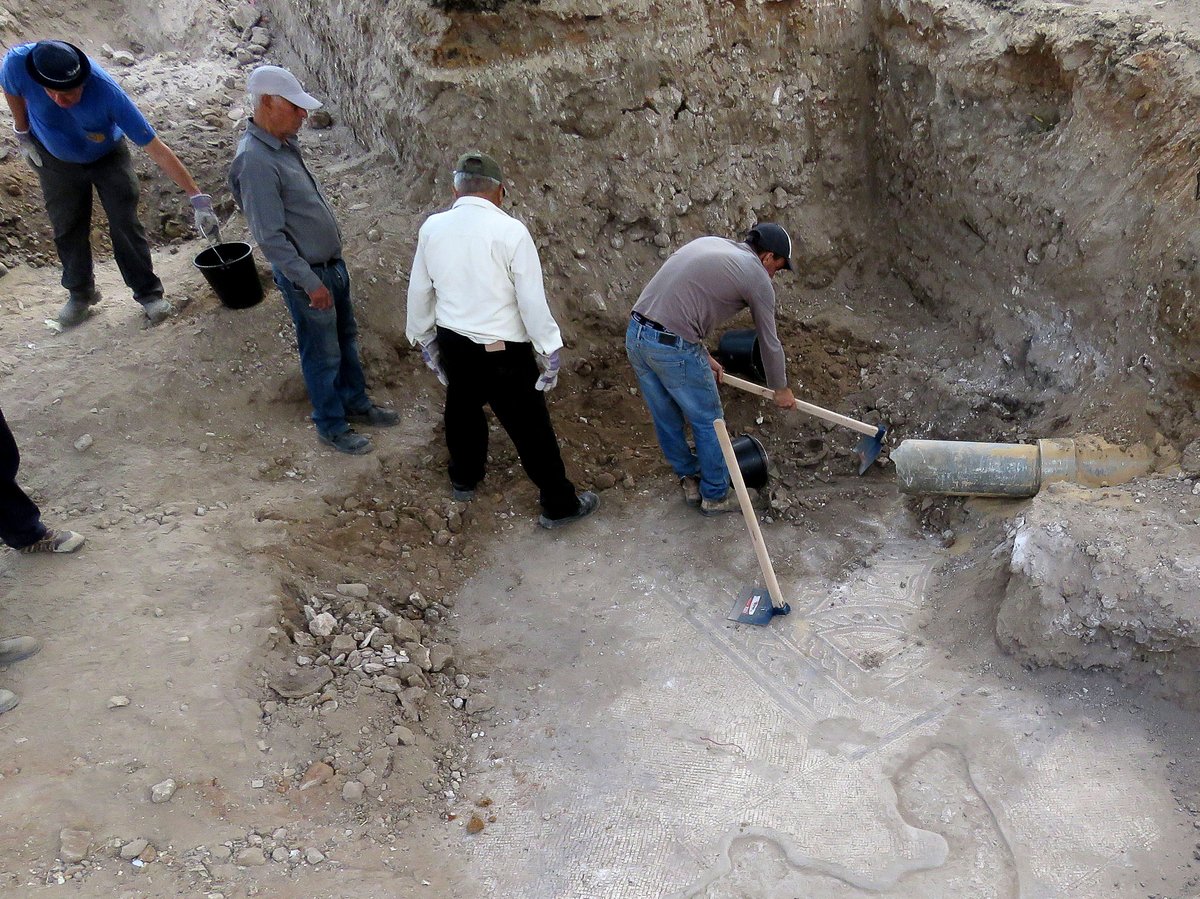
(503, 380)
(20, 520)
(67, 190)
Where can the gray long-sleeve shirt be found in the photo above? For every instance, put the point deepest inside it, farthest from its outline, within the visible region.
(707, 282)
(287, 213)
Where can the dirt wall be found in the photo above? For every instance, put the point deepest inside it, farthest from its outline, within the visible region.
(1039, 167)
(626, 128)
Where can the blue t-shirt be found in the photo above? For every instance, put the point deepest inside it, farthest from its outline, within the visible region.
(88, 130)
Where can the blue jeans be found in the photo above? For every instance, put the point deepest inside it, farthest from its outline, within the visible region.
(328, 344)
(678, 386)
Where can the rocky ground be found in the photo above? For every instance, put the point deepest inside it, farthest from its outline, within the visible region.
(258, 676)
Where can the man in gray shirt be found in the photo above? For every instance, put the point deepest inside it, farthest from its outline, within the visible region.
(701, 285)
(295, 229)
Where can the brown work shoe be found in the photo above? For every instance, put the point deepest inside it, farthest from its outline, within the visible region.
(691, 490)
(56, 542)
(727, 503)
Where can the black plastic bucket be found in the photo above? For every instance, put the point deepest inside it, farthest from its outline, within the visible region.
(751, 460)
(738, 351)
(230, 270)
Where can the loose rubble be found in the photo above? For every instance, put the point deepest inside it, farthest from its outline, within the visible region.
(1087, 589)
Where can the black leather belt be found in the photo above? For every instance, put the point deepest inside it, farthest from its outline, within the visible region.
(662, 335)
(330, 264)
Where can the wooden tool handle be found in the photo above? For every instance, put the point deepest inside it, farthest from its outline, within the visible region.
(760, 546)
(832, 417)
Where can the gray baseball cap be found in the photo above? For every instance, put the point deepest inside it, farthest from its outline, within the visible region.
(279, 82)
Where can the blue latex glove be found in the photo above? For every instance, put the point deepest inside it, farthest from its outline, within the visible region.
(28, 147)
(207, 222)
(433, 360)
(549, 376)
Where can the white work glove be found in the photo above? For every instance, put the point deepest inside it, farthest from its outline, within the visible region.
(549, 376)
(207, 222)
(433, 360)
(28, 147)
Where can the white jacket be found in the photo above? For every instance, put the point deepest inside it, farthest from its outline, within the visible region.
(477, 272)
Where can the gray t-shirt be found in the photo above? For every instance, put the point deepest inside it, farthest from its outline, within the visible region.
(707, 282)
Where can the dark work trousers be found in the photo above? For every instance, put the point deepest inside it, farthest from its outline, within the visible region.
(503, 380)
(20, 521)
(67, 190)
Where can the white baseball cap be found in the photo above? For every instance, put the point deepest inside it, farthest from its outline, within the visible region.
(279, 82)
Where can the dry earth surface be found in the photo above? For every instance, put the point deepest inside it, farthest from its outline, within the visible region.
(278, 671)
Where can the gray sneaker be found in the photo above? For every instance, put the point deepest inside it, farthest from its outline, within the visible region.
(78, 308)
(158, 311)
(73, 312)
(14, 649)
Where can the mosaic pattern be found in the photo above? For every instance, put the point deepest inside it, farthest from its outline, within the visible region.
(666, 732)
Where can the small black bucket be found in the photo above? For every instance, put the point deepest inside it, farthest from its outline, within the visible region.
(751, 460)
(738, 352)
(230, 271)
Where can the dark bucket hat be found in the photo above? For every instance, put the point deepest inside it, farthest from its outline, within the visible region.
(57, 65)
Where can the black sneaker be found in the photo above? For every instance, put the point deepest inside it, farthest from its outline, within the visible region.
(588, 503)
(462, 494)
(350, 442)
(375, 415)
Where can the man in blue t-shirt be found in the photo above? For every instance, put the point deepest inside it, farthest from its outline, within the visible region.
(71, 118)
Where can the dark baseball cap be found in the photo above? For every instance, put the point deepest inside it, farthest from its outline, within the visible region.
(479, 164)
(771, 238)
(57, 65)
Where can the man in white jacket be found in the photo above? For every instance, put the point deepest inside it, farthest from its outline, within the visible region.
(477, 308)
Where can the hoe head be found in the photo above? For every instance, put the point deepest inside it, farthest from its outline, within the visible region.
(754, 606)
(869, 448)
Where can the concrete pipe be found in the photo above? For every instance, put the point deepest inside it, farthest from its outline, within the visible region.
(961, 468)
